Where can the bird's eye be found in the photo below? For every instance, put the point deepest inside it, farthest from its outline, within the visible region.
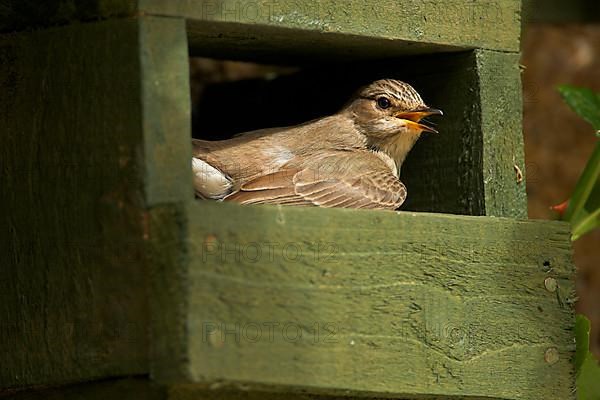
(383, 102)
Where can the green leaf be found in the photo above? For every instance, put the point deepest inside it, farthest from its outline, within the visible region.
(584, 214)
(589, 223)
(586, 366)
(582, 338)
(584, 102)
(583, 211)
(585, 201)
(588, 380)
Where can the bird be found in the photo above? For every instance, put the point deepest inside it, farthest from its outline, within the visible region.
(350, 159)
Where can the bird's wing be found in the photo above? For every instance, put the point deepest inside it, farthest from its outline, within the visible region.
(349, 185)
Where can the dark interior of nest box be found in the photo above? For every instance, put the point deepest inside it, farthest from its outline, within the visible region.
(443, 171)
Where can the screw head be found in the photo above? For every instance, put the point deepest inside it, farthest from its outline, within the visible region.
(550, 284)
(551, 355)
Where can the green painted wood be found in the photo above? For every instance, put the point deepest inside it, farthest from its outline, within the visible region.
(327, 29)
(221, 392)
(168, 258)
(469, 168)
(447, 305)
(371, 303)
(499, 100)
(78, 143)
(20, 14)
(443, 173)
(124, 389)
(165, 95)
(402, 27)
(140, 388)
(72, 301)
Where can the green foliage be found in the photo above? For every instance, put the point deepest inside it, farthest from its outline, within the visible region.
(584, 102)
(584, 207)
(584, 214)
(588, 370)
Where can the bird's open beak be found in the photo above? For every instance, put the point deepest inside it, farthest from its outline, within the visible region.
(412, 118)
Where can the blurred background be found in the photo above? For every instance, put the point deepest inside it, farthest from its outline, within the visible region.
(560, 45)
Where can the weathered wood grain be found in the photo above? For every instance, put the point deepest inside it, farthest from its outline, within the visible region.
(20, 14)
(73, 302)
(140, 388)
(94, 134)
(378, 303)
(330, 30)
(501, 108)
(385, 304)
(469, 168)
(263, 26)
(443, 173)
(165, 92)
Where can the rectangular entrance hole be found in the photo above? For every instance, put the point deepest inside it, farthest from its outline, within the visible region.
(443, 172)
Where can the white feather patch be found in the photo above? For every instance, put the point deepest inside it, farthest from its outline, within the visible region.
(278, 154)
(209, 182)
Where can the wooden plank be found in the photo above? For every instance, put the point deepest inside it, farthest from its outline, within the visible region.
(73, 303)
(140, 388)
(499, 99)
(443, 173)
(166, 110)
(20, 14)
(263, 26)
(168, 257)
(356, 302)
(327, 29)
(470, 167)
(125, 389)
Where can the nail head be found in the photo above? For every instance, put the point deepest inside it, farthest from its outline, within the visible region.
(551, 355)
(550, 284)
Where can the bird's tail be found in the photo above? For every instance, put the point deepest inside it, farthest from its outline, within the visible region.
(209, 181)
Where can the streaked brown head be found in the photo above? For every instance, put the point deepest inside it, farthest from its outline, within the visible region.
(390, 107)
(389, 113)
